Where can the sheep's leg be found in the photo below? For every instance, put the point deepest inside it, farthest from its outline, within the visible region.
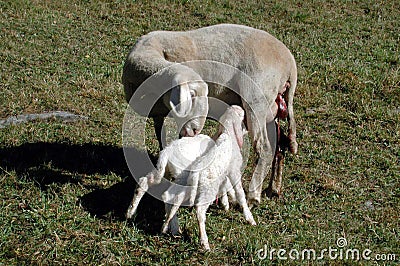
(278, 181)
(141, 189)
(265, 154)
(241, 197)
(160, 134)
(201, 218)
(275, 182)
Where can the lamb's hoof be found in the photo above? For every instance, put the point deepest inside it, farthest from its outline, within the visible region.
(252, 222)
(174, 229)
(205, 246)
(129, 213)
(164, 230)
(176, 233)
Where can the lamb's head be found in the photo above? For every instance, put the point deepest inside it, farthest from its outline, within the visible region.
(189, 104)
(232, 122)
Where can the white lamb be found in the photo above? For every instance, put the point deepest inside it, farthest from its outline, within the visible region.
(178, 156)
(173, 159)
(210, 175)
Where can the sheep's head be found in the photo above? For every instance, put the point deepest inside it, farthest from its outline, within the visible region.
(232, 122)
(189, 105)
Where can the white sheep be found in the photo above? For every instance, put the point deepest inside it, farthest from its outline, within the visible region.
(210, 175)
(258, 55)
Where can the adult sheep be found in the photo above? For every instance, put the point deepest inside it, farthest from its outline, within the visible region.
(254, 55)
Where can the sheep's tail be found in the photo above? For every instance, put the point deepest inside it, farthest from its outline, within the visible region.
(289, 95)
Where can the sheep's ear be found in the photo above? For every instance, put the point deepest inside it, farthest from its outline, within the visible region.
(181, 100)
(200, 88)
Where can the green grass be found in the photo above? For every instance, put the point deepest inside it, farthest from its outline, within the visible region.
(64, 186)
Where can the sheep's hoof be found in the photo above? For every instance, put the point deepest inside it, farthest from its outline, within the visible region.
(253, 203)
(293, 146)
(273, 192)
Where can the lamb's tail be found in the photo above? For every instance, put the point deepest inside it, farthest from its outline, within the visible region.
(181, 192)
(193, 183)
(161, 165)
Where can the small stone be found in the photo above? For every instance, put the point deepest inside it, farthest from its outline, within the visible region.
(369, 205)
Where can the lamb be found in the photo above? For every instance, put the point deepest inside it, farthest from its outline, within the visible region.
(253, 67)
(173, 159)
(214, 171)
(178, 156)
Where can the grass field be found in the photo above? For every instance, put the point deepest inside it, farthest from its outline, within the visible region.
(64, 187)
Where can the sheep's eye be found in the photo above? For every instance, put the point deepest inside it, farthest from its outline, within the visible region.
(192, 93)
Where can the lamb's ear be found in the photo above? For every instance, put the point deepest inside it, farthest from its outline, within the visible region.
(238, 125)
(169, 195)
(238, 129)
(180, 100)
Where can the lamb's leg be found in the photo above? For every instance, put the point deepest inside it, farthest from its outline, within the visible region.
(223, 194)
(232, 195)
(201, 218)
(225, 202)
(228, 191)
(141, 189)
(231, 191)
(241, 197)
(171, 220)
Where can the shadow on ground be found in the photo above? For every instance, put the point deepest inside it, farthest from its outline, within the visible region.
(59, 163)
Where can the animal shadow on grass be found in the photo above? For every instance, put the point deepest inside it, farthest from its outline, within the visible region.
(62, 163)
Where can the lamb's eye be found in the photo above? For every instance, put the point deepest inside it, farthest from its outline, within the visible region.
(192, 93)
